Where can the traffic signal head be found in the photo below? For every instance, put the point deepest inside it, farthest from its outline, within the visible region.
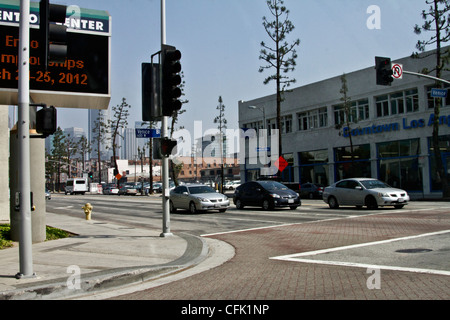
(167, 146)
(384, 71)
(46, 121)
(151, 106)
(171, 80)
(53, 36)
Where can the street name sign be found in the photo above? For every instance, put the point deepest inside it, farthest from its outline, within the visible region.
(438, 93)
(148, 133)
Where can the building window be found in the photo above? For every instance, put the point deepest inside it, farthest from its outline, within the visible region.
(312, 119)
(397, 103)
(359, 110)
(286, 124)
(412, 100)
(323, 117)
(382, 104)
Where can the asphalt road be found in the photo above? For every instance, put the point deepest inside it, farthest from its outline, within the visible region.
(147, 211)
(310, 253)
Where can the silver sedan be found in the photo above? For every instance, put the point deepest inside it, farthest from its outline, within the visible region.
(197, 197)
(361, 192)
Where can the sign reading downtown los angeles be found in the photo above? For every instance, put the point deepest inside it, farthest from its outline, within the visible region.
(82, 81)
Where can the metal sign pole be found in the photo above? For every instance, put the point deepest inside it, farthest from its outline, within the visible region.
(164, 133)
(25, 237)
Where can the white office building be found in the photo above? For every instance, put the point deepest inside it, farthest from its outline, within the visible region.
(390, 130)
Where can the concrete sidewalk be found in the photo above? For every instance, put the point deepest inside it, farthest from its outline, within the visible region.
(102, 256)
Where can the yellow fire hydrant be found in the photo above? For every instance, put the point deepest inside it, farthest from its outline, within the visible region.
(87, 210)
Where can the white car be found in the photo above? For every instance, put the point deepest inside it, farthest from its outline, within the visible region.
(360, 192)
(197, 197)
(231, 185)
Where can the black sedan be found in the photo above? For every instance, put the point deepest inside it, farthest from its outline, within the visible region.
(266, 194)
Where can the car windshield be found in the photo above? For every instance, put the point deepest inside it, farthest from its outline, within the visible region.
(201, 189)
(372, 184)
(272, 185)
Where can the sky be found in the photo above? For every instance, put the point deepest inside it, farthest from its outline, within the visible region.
(220, 45)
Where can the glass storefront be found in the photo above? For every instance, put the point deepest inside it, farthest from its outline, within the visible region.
(354, 164)
(444, 147)
(398, 164)
(314, 167)
(287, 175)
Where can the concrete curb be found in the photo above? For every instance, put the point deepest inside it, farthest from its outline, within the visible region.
(196, 251)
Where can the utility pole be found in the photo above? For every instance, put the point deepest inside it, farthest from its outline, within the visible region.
(24, 196)
(164, 134)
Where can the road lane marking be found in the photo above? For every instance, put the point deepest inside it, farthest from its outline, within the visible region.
(296, 257)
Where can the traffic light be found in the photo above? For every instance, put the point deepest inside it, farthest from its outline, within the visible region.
(53, 35)
(384, 71)
(46, 121)
(171, 80)
(151, 106)
(167, 145)
(91, 174)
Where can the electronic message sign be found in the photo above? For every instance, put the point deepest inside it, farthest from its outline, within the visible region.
(82, 81)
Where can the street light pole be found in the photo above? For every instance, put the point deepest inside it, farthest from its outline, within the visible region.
(25, 235)
(164, 134)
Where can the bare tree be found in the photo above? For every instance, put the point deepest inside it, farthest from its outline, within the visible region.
(222, 124)
(119, 121)
(100, 131)
(282, 56)
(85, 147)
(348, 116)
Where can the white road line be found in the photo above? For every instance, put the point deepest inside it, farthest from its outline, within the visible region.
(372, 266)
(296, 257)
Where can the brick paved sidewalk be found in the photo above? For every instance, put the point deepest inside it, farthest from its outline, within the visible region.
(252, 274)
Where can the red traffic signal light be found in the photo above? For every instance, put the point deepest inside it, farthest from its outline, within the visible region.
(384, 71)
(167, 146)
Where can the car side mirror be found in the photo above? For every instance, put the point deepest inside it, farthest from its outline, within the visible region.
(185, 193)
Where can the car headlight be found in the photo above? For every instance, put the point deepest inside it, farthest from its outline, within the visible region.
(202, 199)
(382, 194)
(274, 195)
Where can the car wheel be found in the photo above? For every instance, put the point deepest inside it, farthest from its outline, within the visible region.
(332, 203)
(399, 206)
(172, 207)
(239, 204)
(222, 210)
(293, 207)
(192, 208)
(267, 205)
(371, 203)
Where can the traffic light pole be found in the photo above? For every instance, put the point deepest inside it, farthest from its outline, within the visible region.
(25, 233)
(164, 133)
(425, 76)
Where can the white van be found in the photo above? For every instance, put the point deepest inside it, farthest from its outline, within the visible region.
(76, 185)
